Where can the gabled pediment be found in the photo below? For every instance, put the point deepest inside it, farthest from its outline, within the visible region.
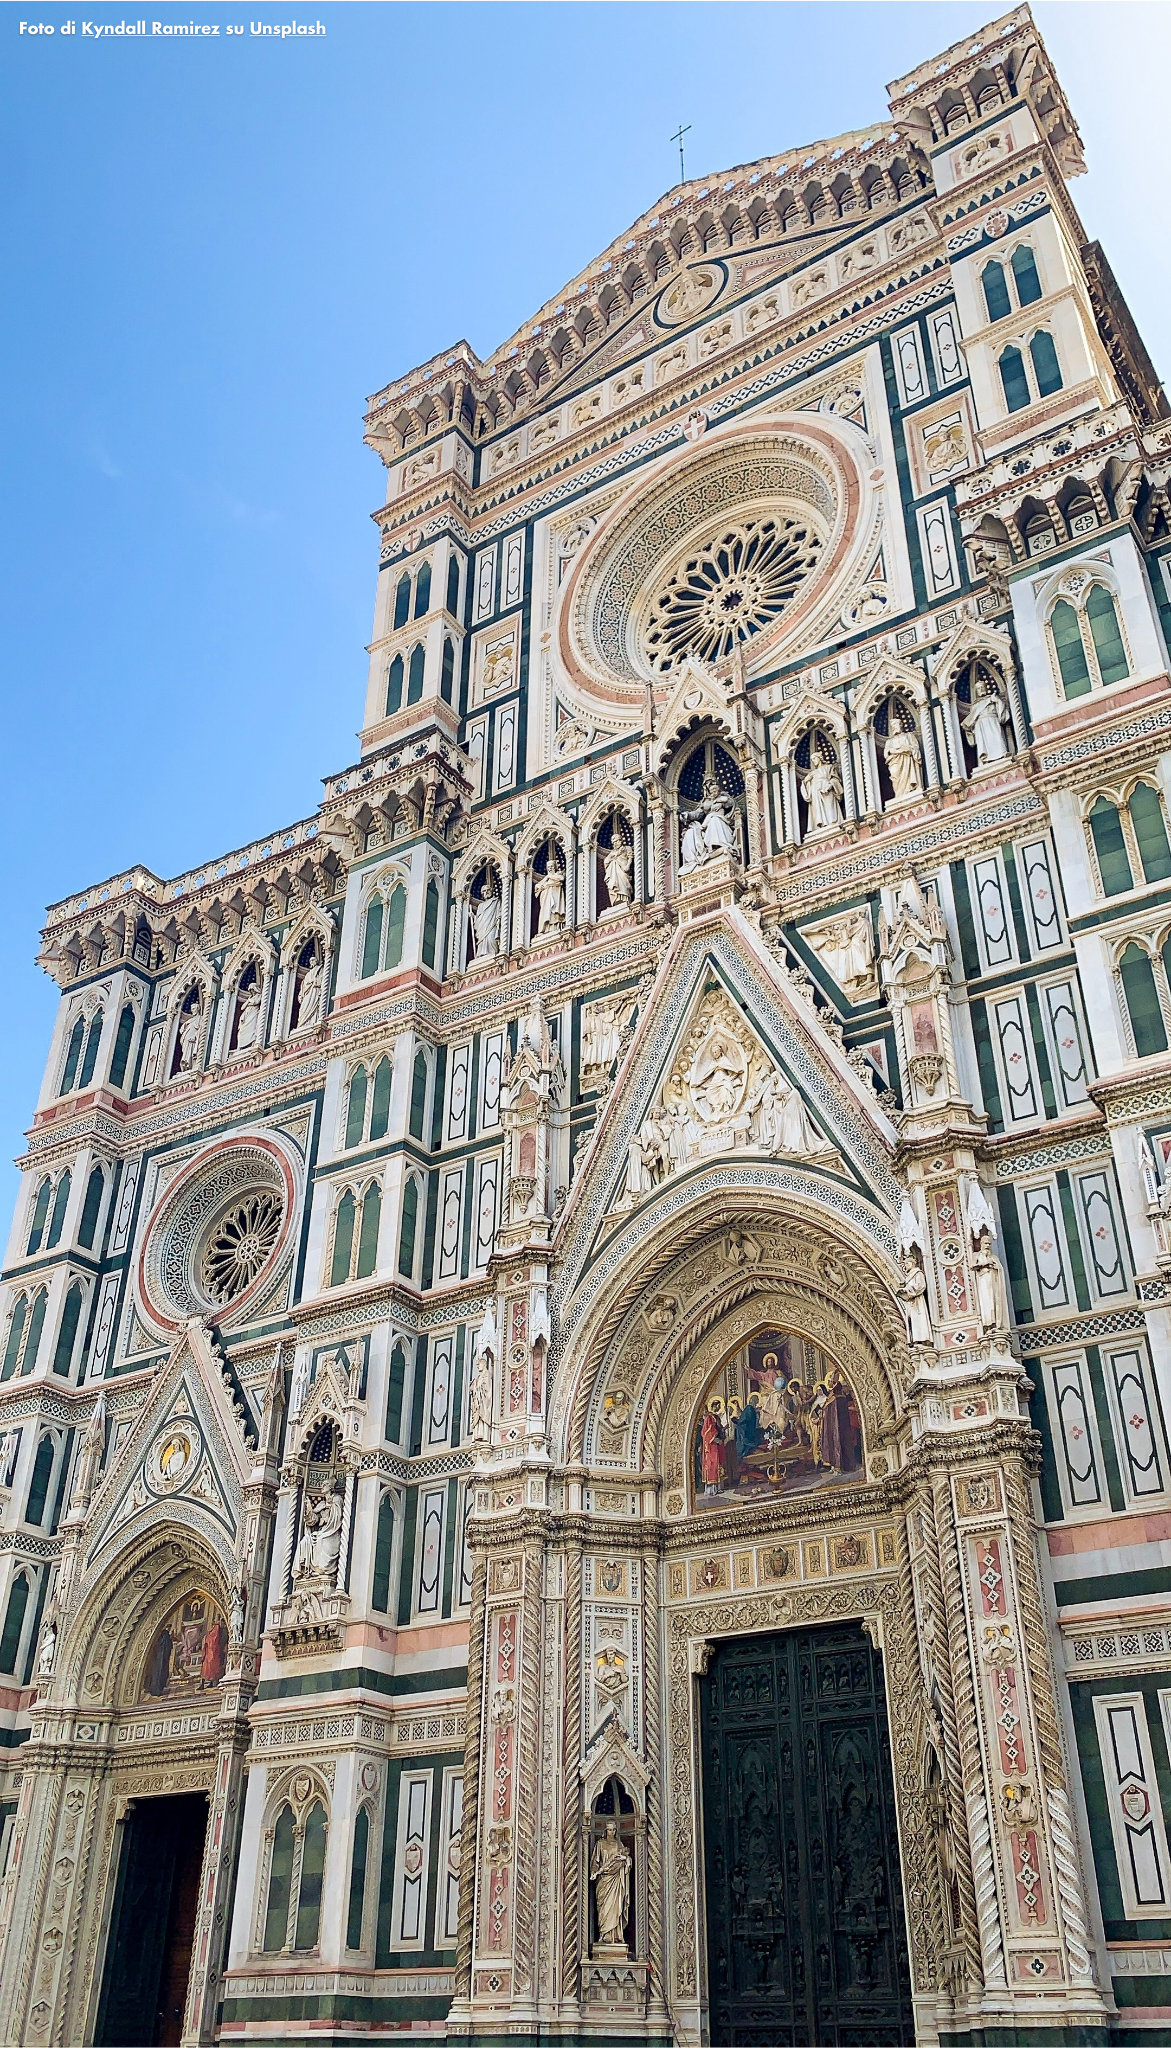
(185, 1458)
(731, 1079)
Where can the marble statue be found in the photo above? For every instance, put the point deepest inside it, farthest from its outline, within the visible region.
(486, 922)
(985, 721)
(822, 790)
(550, 888)
(903, 761)
(610, 1870)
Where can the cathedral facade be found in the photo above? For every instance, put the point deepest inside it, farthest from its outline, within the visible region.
(585, 1353)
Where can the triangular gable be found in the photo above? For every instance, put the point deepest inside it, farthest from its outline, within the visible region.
(185, 1459)
(726, 964)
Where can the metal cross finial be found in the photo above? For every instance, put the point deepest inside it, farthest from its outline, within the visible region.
(680, 132)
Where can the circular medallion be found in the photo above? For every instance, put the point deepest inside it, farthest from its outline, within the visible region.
(172, 1458)
(695, 289)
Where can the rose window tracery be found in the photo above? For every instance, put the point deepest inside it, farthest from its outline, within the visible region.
(726, 591)
(221, 1234)
(240, 1244)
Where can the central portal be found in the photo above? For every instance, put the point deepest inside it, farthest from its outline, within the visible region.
(806, 1940)
(148, 1960)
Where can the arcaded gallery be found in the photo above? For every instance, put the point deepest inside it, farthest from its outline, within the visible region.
(585, 1352)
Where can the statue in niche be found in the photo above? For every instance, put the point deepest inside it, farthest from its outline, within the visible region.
(709, 832)
(248, 1003)
(486, 919)
(778, 1418)
(321, 1539)
(190, 1029)
(610, 1871)
(550, 888)
(914, 1297)
(47, 1656)
(481, 1399)
(901, 753)
(821, 787)
(309, 986)
(618, 866)
(991, 1288)
(986, 719)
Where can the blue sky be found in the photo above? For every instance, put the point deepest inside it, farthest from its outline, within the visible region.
(213, 250)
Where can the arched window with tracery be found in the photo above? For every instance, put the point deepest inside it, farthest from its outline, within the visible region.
(356, 1223)
(72, 1056)
(89, 1058)
(1129, 840)
(120, 1057)
(395, 676)
(297, 1843)
(356, 1094)
(402, 601)
(408, 1229)
(415, 669)
(382, 935)
(61, 1195)
(423, 591)
(40, 1216)
(66, 1343)
(91, 1208)
(1144, 1000)
(13, 1630)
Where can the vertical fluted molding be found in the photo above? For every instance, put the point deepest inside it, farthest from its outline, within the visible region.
(1063, 1835)
(527, 1778)
(652, 1693)
(571, 1831)
(969, 1930)
(470, 1823)
(968, 1722)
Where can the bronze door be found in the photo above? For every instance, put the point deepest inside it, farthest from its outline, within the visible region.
(806, 1938)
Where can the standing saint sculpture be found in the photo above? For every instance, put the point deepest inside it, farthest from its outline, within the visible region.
(822, 790)
(550, 888)
(903, 762)
(610, 1870)
(618, 868)
(486, 921)
(985, 720)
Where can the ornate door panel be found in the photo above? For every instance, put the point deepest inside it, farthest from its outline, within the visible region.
(806, 1941)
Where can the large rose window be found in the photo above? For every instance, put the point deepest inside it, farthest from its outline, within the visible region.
(737, 583)
(221, 1235)
(753, 538)
(240, 1244)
